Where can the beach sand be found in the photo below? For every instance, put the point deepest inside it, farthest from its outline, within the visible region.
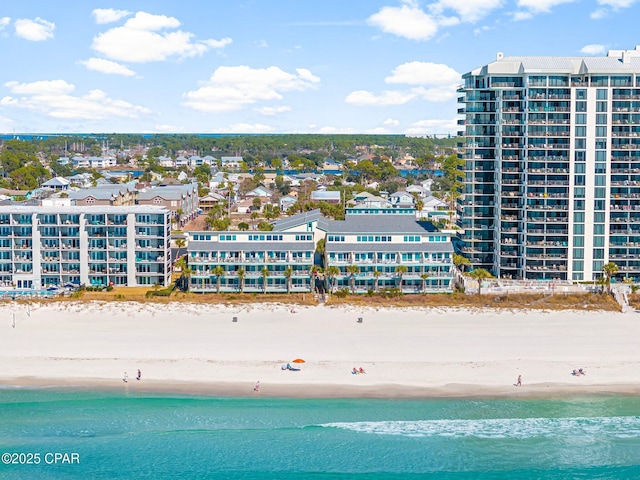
(406, 352)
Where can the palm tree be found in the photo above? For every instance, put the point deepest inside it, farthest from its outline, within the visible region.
(480, 274)
(460, 262)
(353, 270)
(265, 275)
(218, 272)
(288, 272)
(180, 243)
(241, 275)
(376, 275)
(609, 270)
(254, 216)
(243, 226)
(424, 277)
(332, 272)
(400, 271)
(315, 271)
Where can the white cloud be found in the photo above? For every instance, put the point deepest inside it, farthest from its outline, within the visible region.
(35, 30)
(424, 73)
(261, 43)
(4, 21)
(336, 130)
(391, 122)
(43, 87)
(168, 129)
(441, 80)
(468, 10)
(616, 4)
(273, 110)
(541, 6)
(106, 66)
(249, 128)
(593, 49)
(407, 21)
(432, 127)
(139, 40)
(109, 15)
(599, 13)
(232, 88)
(53, 98)
(480, 30)
(6, 125)
(364, 98)
(535, 7)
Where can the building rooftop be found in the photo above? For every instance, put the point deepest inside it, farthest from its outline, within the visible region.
(383, 223)
(296, 220)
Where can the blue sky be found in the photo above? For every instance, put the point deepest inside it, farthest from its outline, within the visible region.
(274, 66)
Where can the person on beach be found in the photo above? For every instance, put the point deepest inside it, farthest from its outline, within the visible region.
(139, 375)
(361, 370)
(125, 379)
(519, 381)
(257, 387)
(354, 371)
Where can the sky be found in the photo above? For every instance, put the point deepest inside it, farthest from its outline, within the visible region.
(274, 66)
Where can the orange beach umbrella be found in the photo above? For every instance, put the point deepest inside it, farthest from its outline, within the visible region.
(298, 360)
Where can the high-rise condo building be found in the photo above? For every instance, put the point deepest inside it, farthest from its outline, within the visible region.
(552, 166)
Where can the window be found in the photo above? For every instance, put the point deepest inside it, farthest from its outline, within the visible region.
(601, 143)
(227, 238)
(579, 192)
(597, 266)
(335, 238)
(578, 253)
(601, 156)
(598, 253)
(581, 119)
(578, 229)
(601, 94)
(578, 241)
(598, 205)
(91, 201)
(581, 131)
(601, 131)
(598, 217)
(601, 119)
(581, 143)
(598, 242)
(578, 265)
(157, 200)
(579, 180)
(601, 168)
(601, 106)
(578, 204)
(578, 217)
(600, 180)
(580, 168)
(581, 106)
(580, 156)
(598, 229)
(581, 94)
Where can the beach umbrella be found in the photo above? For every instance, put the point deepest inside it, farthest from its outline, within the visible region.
(298, 360)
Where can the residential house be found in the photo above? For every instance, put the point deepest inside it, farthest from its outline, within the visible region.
(56, 184)
(104, 194)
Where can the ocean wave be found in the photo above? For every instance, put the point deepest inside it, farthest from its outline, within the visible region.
(612, 427)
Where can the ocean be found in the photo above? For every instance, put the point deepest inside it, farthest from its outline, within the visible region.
(64, 434)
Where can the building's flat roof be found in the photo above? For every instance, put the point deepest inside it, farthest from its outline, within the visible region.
(332, 247)
(208, 246)
(296, 220)
(91, 209)
(374, 224)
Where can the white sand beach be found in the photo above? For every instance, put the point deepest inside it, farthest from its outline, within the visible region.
(191, 348)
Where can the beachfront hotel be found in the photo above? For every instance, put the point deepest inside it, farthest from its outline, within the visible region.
(366, 252)
(552, 166)
(43, 247)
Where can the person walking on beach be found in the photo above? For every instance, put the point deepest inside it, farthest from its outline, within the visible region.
(257, 387)
(519, 381)
(139, 377)
(125, 379)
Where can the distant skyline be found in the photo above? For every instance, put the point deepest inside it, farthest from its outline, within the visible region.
(278, 66)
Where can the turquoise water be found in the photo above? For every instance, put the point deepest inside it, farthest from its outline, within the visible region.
(153, 436)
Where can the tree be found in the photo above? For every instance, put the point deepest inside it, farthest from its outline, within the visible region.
(257, 203)
(265, 227)
(218, 271)
(241, 274)
(424, 277)
(376, 279)
(460, 262)
(180, 243)
(479, 275)
(254, 216)
(353, 270)
(332, 272)
(288, 272)
(243, 226)
(320, 246)
(400, 271)
(265, 275)
(609, 270)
